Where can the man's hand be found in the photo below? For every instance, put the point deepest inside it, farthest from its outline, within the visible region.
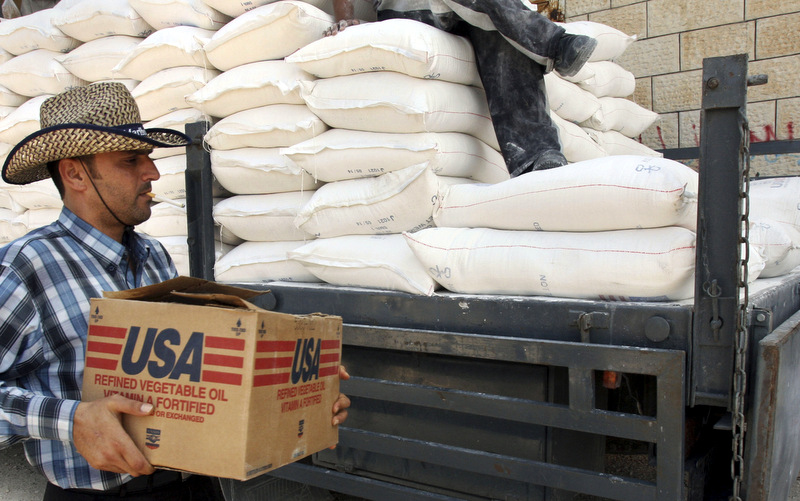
(342, 403)
(340, 26)
(99, 437)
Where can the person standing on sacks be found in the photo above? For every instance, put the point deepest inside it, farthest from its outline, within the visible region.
(514, 48)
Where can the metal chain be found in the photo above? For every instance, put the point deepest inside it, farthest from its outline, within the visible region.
(739, 426)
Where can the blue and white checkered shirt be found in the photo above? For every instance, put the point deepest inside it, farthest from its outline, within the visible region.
(46, 280)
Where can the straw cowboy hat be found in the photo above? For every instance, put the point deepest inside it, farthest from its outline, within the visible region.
(97, 118)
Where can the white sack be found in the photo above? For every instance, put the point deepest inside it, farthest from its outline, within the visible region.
(166, 220)
(611, 42)
(249, 86)
(268, 32)
(175, 120)
(172, 183)
(5, 55)
(34, 31)
(265, 127)
(178, 249)
(621, 115)
(370, 261)
(167, 48)
(37, 195)
(615, 143)
(36, 73)
(773, 242)
(777, 199)
(609, 80)
(89, 20)
(22, 122)
(263, 218)
(38, 217)
(654, 264)
(251, 171)
(10, 228)
(610, 193)
(576, 144)
(340, 154)
(225, 237)
(254, 262)
(95, 60)
(393, 102)
(569, 101)
(402, 45)
(6, 110)
(234, 8)
(162, 14)
(10, 99)
(392, 203)
(166, 90)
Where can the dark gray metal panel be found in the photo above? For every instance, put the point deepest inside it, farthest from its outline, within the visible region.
(199, 204)
(405, 450)
(718, 228)
(647, 325)
(773, 435)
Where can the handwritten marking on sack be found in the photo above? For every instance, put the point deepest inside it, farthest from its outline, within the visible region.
(437, 272)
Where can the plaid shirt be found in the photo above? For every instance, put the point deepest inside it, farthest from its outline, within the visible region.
(46, 280)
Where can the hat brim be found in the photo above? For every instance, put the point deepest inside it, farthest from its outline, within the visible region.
(27, 161)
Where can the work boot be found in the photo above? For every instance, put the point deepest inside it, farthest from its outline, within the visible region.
(573, 52)
(549, 159)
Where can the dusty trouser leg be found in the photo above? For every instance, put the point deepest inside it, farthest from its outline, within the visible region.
(447, 22)
(518, 104)
(530, 32)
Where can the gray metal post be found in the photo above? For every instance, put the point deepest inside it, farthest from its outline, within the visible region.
(199, 204)
(722, 159)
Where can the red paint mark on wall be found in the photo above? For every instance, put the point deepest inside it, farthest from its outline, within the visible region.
(790, 130)
(661, 137)
(769, 135)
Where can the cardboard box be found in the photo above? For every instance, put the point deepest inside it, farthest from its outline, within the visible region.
(237, 390)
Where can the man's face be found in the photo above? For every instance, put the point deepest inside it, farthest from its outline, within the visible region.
(123, 179)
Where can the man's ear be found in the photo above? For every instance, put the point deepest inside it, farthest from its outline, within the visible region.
(73, 174)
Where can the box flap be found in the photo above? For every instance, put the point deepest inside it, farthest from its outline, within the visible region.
(163, 292)
(203, 299)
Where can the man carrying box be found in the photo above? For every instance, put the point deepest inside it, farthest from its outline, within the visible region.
(92, 144)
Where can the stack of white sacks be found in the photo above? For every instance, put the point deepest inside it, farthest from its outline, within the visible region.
(29, 74)
(564, 232)
(257, 102)
(368, 159)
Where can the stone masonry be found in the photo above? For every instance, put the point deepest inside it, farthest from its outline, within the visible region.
(673, 38)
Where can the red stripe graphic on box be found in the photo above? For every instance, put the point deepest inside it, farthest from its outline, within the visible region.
(328, 371)
(105, 331)
(276, 358)
(222, 377)
(101, 347)
(330, 344)
(328, 358)
(274, 346)
(223, 360)
(270, 379)
(101, 363)
(224, 343)
(273, 363)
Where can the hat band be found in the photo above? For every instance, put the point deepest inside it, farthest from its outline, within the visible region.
(133, 129)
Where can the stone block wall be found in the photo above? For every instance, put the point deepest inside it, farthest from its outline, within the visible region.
(673, 38)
